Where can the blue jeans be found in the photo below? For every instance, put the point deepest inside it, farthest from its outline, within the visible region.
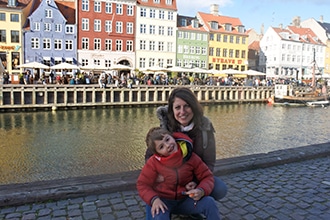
(205, 206)
(219, 192)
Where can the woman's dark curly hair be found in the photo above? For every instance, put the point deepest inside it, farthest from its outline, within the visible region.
(189, 97)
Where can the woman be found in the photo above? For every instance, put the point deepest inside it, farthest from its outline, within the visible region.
(185, 114)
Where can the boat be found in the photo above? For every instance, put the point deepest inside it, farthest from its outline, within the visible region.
(285, 95)
(318, 103)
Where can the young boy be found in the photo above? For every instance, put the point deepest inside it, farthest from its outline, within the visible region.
(174, 161)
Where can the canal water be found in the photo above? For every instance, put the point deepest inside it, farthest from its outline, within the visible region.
(52, 145)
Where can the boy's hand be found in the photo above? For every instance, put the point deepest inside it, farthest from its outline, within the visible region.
(157, 205)
(191, 185)
(195, 194)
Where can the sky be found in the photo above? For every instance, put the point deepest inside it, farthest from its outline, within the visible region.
(254, 13)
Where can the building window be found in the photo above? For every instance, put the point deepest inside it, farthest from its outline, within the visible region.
(14, 36)
(2, 17)
(85, 43)
(57, 44)
(119, 27)
(97, 44)
(161, 14)
(143, 12)
(237, 39)
(218, 52)
(85, 24)
(161, 30)
(170, 31)
(108, 44)
(85, 5)
(143, 29)
(14, 18)
(152, 29)
(69, 29)
(151, 62)
(108, 26)
(129, 46)
(152, 13)
(214, 25)
(225, 38)
(119, 45)
(107, 63)
(34, 43)
(142, 45)
(243, 54)
(142, 62)
(219, 37)
(58, 28)
(130, 11)
(231, 53)
(47, 44)
(157, 1)
(224, 52)
(108, 7)
(170, 16)
(152, 45)
(69, 45)
(211, 52)
(84, 62)
(119, 9)
(97, 6)
(160, 46)
(231, 39)
(211, 37)
(3, 37)
(47, 27)
(129, 28)
(48, 13)
(228, 27)
(170, 47)
(97, 25)
(236, 53)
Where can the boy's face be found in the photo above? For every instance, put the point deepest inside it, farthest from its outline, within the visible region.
(166, 146)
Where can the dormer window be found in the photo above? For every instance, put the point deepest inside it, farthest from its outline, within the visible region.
(194, 23)
(169, 2)
(241, 29)
(214, 25)
(183, 22)
(12, 3)
(228, 27)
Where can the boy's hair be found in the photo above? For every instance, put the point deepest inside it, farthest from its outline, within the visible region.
(155, 134)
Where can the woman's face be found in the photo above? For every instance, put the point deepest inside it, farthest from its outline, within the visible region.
(182, 112)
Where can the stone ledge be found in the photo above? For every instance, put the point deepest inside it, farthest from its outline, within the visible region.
(41, 191)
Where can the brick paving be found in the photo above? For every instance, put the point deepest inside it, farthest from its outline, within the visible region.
(295, 190)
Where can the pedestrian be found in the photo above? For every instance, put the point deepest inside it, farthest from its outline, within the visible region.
(174, 160)
(184, 113)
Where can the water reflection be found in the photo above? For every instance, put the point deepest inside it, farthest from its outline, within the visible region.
(52, 145)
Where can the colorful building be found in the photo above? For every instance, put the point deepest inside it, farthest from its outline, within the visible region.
(192, 43)
(106, 32)
(12, 18)
(156, 23)
(50, 33)
(228, 46)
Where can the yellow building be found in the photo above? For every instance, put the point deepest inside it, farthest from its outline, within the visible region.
(12, 18)
(228, 41)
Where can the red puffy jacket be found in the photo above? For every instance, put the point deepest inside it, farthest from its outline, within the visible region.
(175, 179)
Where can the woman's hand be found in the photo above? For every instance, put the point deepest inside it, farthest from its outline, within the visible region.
(191, 185)
(157, 205)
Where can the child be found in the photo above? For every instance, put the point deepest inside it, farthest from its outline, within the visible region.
(175, 162)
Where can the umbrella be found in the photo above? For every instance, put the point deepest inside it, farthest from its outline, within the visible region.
(231, 71)
(253, 73)
(177, 69)
(157, 69)
(65, 66)
(198, 70)
(34, 65)
(119, 67)
(216, 73)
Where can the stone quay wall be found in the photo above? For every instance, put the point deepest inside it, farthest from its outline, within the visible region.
(54, 97)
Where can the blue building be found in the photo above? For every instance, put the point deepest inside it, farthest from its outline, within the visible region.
(50, 33)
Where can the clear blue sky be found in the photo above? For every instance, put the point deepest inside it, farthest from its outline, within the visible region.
(254, 13)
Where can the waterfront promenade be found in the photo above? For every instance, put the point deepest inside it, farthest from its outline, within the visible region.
(284, 184)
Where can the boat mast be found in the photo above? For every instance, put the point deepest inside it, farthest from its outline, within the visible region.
(313, 72)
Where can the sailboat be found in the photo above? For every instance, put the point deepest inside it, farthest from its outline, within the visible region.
(286, 96)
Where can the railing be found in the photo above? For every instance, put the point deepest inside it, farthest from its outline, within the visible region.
(16, 97)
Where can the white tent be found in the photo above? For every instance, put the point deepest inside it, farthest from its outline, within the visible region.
(63, 66)
(253, 73)
(33, 65)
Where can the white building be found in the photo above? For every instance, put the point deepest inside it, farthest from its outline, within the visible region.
(290, 52)
(155, 35)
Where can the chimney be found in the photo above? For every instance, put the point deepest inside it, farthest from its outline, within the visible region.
(215, 9)
(321, 18)
(281, 26)
(296, 21)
